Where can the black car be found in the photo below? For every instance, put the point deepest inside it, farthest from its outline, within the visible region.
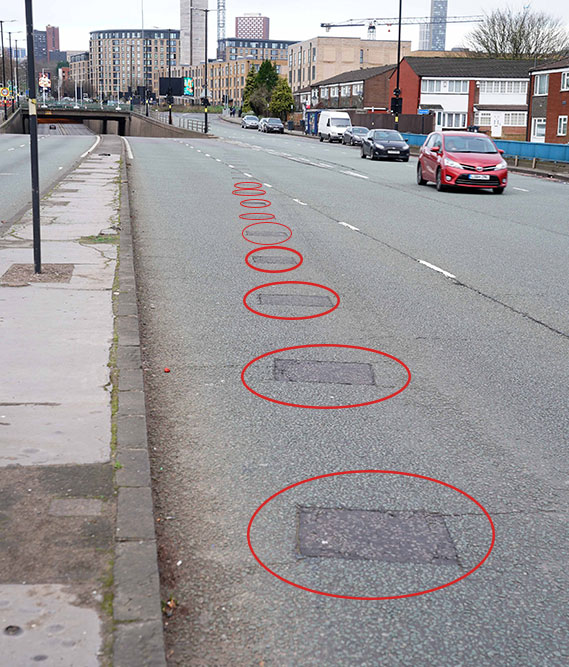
(385, 144)
(273, 125)
(354, 135)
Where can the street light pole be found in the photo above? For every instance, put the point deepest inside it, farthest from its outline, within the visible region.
(33, 120)
(206, 102)
(4, 61)
(169, 56)
(397, 91)
(17, 77)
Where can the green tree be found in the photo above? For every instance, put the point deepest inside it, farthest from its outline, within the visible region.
(282, 99)
(259, 101)
(250, 85)
(267, 76)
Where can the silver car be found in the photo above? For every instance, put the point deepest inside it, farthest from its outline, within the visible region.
(250, 122)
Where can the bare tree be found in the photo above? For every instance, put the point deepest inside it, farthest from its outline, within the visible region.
(510, 34)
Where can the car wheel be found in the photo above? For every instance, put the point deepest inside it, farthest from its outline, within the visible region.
(439, 181)
(321, 137)
(420, 179)
(363, 154)
(498, 191)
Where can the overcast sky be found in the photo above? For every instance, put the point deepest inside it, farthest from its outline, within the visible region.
(290, 19)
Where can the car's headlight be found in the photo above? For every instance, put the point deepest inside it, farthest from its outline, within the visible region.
(380, 146)
(502, 164)
(452, 163)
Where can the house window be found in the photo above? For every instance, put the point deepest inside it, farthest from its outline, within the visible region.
(483, 118)
(538, 127)
(565, 80)
(334, 91)
(541, 84)
(361, 56)
(562, 126)
(359, 89)
(454, 120)
(324, 93)
(430, 86)
(345, 91)
(458, 86)
(515, 119)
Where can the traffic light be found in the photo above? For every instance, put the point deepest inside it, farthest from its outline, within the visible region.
(396, 105)
(205, 101)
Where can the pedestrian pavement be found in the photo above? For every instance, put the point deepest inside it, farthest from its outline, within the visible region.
(78, 568)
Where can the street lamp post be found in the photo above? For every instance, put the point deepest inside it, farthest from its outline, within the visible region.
(206, 102)
(4, 61)
(12, 64)
(131, 75)
(169, 56)
(17, 76)
(397, 91)
(33, 115)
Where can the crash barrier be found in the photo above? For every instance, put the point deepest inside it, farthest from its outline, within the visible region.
(192, 124)
(522, 149)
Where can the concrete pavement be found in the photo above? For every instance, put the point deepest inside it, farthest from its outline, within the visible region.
(78, 575)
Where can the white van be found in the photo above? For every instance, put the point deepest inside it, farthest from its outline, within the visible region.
(333, 124)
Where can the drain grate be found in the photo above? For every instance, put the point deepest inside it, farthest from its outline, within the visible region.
(391, 537)
(332, 372)
(307, 300)
(287, 261)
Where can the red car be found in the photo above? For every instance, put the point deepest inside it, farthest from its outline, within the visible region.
(469, 159)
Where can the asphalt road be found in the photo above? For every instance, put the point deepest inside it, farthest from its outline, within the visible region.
(485, 411)
(57, 154)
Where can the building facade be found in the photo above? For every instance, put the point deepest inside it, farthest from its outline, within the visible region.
(192, 31)
(432, 36)
(468, 91)
(325, 57)
(52, 38)
(40, 45)
(265, 49)
(252, 26)
(122, 61)
(549, 103)
(366, 89)
(79, 70)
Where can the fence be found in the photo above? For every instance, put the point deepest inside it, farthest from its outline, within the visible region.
(192, 124)
(522, 149)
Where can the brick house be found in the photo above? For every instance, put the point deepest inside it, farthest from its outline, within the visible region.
(549, 103)
(460, 92)
(359, 89)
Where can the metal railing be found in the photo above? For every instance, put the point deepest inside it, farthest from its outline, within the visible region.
(185, 121)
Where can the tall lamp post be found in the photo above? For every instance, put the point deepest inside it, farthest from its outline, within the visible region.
(4, 61)
(397, 101)
(206, 101)
(12, 64)
(169, 56)
(17, 76)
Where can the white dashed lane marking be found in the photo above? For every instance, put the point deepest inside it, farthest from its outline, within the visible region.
(521, 189)
(299, 202)
(436, 268)
(345, 224)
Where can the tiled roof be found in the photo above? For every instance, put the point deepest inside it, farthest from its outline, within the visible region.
(470, 68)
(355, 75)
(553, 64)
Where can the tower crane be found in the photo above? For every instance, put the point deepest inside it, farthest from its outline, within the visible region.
(413, 20)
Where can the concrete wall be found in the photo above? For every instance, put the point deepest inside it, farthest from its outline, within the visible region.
(142, 126)
(14, 124)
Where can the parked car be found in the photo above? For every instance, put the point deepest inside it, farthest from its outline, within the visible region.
(250, 122)
(354, 135)
(385, 144)
(261, 123)
(469, 159)
(333, 124)
(273, 125)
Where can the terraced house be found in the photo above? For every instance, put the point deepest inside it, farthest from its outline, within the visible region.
(549, 95)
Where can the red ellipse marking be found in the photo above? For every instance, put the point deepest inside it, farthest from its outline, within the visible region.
(268, 247)
(240, 185)
(266, 216)
(383, 597)
(291, 282)
(267, 223)
(325, 407)
(248, 193)
(266, 204)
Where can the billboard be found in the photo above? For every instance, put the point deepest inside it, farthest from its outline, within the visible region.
(188, 86)
(44, 80)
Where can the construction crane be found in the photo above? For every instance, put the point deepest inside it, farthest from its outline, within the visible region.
(413, 20)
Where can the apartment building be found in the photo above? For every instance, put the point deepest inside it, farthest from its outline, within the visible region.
(252, 26)
(79, 71)
(226, 78)
(124, 60)
(232, 48)
(549, 103)
(322, 58)
(468, 91)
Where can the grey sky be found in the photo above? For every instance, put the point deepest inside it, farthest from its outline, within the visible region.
(290, 19)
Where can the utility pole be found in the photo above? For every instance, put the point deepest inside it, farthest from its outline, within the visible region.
(4, 61)
(12, 65)
(17, 78)
(397, 91)
(206, 100)
(169, 56)
(33, 114)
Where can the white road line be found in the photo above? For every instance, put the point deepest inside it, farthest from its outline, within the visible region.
(436, 268)
(300, 202)
(217, 159)
(248, 175)
(60, 168)
(207, 155)
(129, 154)
(231, 166)
(22, 145)
(11, 149)
(355, 229)
(199, 150)
(521, 189)
(353, 173)
(6, 174)
(92, 147)
(326, 166)
(267, 185)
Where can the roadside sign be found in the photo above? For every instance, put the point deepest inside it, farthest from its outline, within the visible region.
(44, 80)
(423, 112)
(189, 86)
(5, 92)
